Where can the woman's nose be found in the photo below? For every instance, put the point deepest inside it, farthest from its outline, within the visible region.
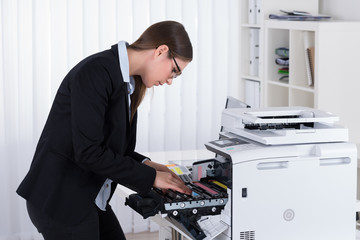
(169, 81)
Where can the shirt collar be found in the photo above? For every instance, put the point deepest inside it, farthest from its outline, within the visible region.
(124, 65)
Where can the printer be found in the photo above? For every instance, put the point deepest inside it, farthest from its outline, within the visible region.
(279, 173)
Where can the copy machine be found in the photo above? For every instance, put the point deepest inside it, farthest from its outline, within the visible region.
(279, 173)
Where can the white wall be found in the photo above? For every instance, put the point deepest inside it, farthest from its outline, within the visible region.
(341, 9)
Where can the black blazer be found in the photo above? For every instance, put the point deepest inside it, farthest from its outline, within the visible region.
(86, 139)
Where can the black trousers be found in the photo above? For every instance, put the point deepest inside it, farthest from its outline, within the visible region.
(97, 225)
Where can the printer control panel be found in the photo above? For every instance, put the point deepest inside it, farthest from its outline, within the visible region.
(228, 142)
(225, 147)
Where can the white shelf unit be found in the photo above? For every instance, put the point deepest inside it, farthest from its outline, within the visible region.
(266, 7)
(297, 91)
(336, 85)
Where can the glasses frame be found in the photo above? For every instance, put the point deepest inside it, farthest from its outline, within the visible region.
(177, 66)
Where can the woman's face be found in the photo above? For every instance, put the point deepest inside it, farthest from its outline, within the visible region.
(162, 69)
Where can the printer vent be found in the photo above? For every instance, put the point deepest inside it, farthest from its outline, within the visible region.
(248, 235)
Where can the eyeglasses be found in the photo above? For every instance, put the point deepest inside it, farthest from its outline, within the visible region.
(174, 73)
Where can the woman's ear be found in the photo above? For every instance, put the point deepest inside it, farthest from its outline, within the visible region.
(161, 50)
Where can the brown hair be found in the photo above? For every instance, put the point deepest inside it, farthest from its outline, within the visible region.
(168, 33)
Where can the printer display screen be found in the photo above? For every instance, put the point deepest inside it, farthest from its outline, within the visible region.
(223, 142)
(228, 142)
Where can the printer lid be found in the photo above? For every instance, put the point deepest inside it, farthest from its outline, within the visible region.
(284, 125)
(281, 115)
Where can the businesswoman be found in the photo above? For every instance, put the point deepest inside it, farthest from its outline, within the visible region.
(87, 145)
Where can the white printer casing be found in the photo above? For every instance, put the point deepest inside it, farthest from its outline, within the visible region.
(290, 191)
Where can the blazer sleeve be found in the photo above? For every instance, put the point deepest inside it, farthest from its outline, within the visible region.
(91, 89)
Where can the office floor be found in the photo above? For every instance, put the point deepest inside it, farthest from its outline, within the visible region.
(142, 236)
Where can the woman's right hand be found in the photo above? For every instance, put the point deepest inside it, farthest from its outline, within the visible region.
(166, 180)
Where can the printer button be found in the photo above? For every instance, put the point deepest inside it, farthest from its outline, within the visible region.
(244, 192)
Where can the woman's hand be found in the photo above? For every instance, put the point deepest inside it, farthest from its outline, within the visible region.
(167, 179)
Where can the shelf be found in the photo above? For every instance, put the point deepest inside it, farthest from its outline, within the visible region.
(294, 25)
(297, 91)
(258, 21)
(278, 83)
(279, 39)
(304, 88)
(343, 26)
(251, 26)
(253, 78)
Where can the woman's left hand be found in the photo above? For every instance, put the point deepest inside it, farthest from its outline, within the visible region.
(161, 168)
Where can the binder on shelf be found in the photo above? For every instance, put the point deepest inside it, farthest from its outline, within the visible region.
(258, 11)
(254, 65)
(310, 64)
(284, 79)
(295, 12)
(254, 52)
(282, 61)
(283, 71)
(251, 12)
(254, 12)
(299, 17)
(252, 93)
(282, 52)
(309, 59)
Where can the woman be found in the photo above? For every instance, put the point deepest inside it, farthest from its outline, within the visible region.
(87, 145)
